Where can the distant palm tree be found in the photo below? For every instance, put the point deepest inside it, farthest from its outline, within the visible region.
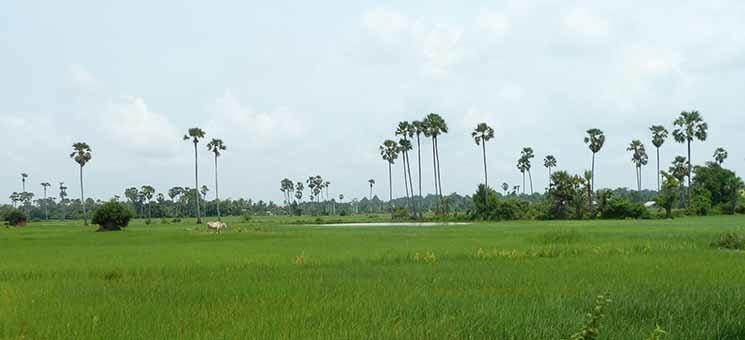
(45, 186)
(720, 154)
(659, 135)
(82, 154)
(435, 126)
(404, 146)
(505, 187)
(389, 153)
(287, 187)
(407, 130)
(639, 158)
(147, 193)
(482, 134)
(63, 198)
(594, 140)
(527, 155)
(690, 126)
(216, 146)
(195, 134)
(523, 168)
(419, 129)
(372, 183)
(549, 162)
(299, 191)
(23, 181)
(679, 170)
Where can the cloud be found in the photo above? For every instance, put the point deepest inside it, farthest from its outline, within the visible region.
(582, 22)
(493, 22)
(131, 124)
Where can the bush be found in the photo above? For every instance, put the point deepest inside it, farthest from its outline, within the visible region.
(247, 217)
(730, 241)
(15, 218)
(400, 214)
(112, 216)
(616, 208)
(700, 201)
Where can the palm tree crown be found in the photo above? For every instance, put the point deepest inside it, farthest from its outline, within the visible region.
(659, 135)
(482, 133)
(216, 146)
(82, 153)
(690, 126)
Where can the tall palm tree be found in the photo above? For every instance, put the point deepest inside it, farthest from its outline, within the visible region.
(505, 187)
(147, 195)
(23, 181)
(523, 168)
(407, 130)
(299, 192)
(82, 154)
(527, 154)
(594, 140)
(419, 129)
(690, 126)
(720, 155)
(404, 147)
(435, 126)
(287, 187)
(63, 198)
(482, 134)
(659, 135)
(389, 153)
(639, 158)
(195, 135)
(549, 162)
(46, 186)
(216, 146)
(372, 183)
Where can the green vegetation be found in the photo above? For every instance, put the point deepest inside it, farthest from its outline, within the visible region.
(113, 216)
(271, 278)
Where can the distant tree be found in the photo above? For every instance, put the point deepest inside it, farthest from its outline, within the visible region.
(720, 155)
(690, 126)
(549, 162)
(668, 195)
(147, 193)
(287, 187)
(435, 126)
(216, 146)
(505, 187)
(299, 191)
(419, 128)
(639, 158)
(595, 140)
(372, 183)
(407, 130)
(679, 170)
(204, 190)
(15, 198)
(389, 153)
(482, 134)
(527, 155)
(82, 154)
(195, 135)
(23, 181)
(659, 135)
(133, 195)
(63, 199)
(404, 146)
(523, 167)
(46, 186)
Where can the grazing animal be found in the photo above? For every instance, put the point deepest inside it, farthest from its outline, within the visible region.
(216, 226)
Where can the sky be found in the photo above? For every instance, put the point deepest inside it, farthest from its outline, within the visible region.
(299, 88)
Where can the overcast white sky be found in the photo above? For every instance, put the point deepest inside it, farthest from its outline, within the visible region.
(298, 88)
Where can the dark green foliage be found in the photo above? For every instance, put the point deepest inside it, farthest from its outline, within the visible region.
(112, 216)
(400, 214)
(15, 218)
(566, 196)
(487, 206)
(722, 184)
(700, 201)
(616, 208)
(730, 241)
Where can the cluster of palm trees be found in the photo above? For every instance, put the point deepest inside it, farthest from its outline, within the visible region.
(432, 126)
(216, 146)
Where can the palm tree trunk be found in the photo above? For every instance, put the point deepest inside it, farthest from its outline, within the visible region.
(592, 186)
(411, 183)
(658, 170)
(530, 177)
(486, 176)
(406, 182)
(419, 160)
(82, 198)
(390, 187)
(46, 205)
(690, 168)
(439, 173)
(523, 192)
(434, 168)
(217, 192)
(196, 183)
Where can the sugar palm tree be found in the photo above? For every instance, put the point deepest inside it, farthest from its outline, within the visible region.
(482, 134)
(690, 126)
(523, 168)
(404, 147)
(216, 146)
(389, 153)
(195, 135)
(372, 183)
(594, 140)
(419, 128)
(720, 154)
(82, 154)
(287, 187)
(549, 162)
(679, 169)
(299, 191)
(63, 198)
(659, 135)
(435, 126)
(46, 186)
(527, 154)
(407, 130)
(23, 181)
(147, 193)
(505, 187)
(639, 158)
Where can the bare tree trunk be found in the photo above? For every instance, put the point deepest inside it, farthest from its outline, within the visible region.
(196, 181)
(690, 170)
(390, 187)
(419, 160)
(406, 182)
(411, 184)
(592, 187)
(530, 177)
(434, 168)
(658, 170)
(217, 192)
(439, 173)
(486, 176)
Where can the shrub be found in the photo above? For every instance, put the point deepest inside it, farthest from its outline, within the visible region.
(700, 201)
(176, 220)
(247, 217)
(112, 216)
(15, 218)
(400, 214)
(730, 241)
(616, 208)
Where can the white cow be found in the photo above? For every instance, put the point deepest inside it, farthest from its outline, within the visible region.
(216, 226)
